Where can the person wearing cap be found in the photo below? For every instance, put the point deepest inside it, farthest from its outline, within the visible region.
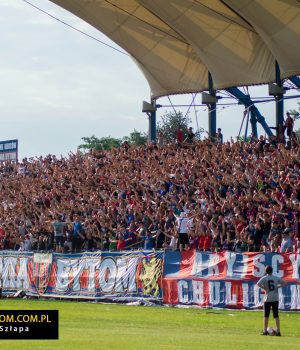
(270, 284)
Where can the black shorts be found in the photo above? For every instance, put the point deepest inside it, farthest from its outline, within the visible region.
(59, 240)
(268, 305)
(184, 239)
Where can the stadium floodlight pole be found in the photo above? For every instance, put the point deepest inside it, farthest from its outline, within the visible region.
(246, 101)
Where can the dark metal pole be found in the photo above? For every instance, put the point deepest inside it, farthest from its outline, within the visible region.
(212, 111)
(253, 122)
(247, 123)
(152, 126)
(279, 100)
(152, 123)
(244, 115)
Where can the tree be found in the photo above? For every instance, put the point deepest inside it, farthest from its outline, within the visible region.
(171, 122)
(104, 143)
(242, 138)
(296, 116)
(136, 138)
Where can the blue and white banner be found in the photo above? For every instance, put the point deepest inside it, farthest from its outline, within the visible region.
(223, 280)
(128, 275)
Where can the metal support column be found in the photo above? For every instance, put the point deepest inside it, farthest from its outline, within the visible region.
(253, 122)
(150, 110)
(247, 124)
(212, 111)
(279, 100)
(246, 101)
(152, 124)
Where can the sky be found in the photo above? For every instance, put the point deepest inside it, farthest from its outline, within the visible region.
(57, 85)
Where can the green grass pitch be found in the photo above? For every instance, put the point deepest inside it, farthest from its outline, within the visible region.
(90, 326)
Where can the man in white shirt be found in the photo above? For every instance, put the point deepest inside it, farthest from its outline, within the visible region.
(182, 228)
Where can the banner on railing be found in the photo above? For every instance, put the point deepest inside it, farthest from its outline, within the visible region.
(128, 275)
(227, 279)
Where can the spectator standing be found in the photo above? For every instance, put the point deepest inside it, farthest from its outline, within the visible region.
(289, 125)
(182, 231)
(190, 135)
(286, 243)
(179, 137)
(219, 136)
(76, 234)
(59, 230)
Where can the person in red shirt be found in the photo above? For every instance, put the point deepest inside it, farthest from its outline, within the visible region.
(179, 136)
(120, 242)
(207, 242)
(2, 233)
(201, 241)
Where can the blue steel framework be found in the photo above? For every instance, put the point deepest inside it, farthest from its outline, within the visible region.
(255, 115)
(295, 81)
(254, 112)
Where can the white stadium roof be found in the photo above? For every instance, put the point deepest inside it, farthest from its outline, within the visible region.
(176, 42)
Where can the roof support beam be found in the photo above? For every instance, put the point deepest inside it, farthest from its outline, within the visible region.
(295, 80)
(255, 114)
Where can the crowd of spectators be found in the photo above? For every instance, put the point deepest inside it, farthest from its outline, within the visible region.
(238, 196)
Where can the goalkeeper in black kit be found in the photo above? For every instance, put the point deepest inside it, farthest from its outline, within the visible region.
(270, 284)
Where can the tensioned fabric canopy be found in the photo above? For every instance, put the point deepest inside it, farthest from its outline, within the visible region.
(176, 42)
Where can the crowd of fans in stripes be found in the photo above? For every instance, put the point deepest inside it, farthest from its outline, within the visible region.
(203, 195)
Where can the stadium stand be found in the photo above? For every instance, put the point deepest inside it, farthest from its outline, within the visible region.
(211, 197)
